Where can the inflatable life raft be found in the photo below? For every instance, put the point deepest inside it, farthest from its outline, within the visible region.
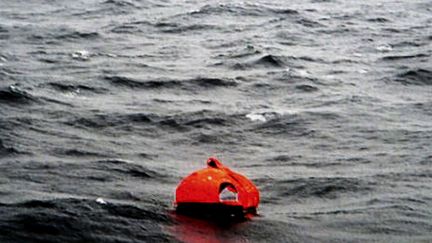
(216, 190)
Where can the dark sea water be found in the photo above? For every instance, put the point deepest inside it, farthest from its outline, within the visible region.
(326, 105)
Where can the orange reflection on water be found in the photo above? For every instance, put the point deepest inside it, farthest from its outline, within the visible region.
(194, 230)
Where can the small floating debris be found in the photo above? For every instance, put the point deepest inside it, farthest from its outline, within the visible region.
(101, 201)
(82, 55)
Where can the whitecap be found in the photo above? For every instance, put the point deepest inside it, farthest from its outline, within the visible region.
(256, 117)
(111, 55)
(82, 55)
(302, 73)
(263, 116)
(101, 201)
(384, 48)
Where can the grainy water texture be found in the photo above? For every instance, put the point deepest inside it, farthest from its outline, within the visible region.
(326, 105)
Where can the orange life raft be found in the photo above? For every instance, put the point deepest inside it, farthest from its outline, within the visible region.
(217, 190)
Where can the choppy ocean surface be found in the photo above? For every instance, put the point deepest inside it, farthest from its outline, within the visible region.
(106, 104)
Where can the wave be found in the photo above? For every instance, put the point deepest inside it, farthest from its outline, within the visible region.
(319, 187)
(212, 82)
(289, 38)
(309, 23)
(206, 121)
(415, 77)
(188, 121)
(78, 35)
(75, 152)
(9, 72)
(161, 26)
(270, 61)
(285, 160)
(62, 87)
(276, 62)
(98, 121)
(120, 3)
(131, 27)
(188, 84)
(411, 43)
(203, 138)
(267, 61)
(15, 95)
(298, 160)
(395, 58)
(175, 28)
(5, 150)
(68, 176)
(112, 7)
(306, 88)
(69, 220)
(3, 29)
(126, 29)
(126, 168)
(142, 122)
(241, 53)
(242, 10)
(49, 61)
(193, 120)
(132, 83)
(378, 20)
(62, 34)
(293, 125)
